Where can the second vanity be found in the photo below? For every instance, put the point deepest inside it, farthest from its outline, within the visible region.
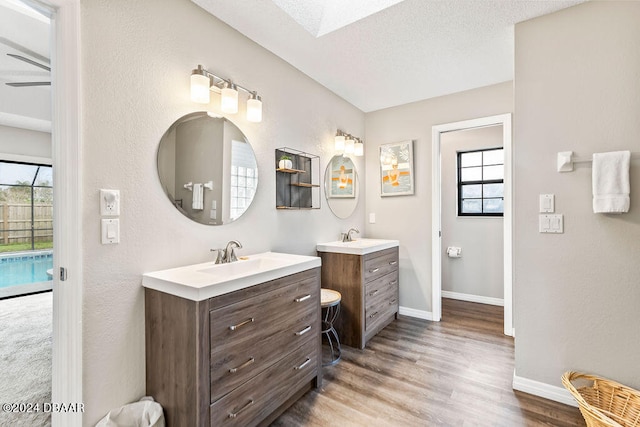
(365, 272)
(233, 344)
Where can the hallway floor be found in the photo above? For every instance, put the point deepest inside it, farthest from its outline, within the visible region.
(25, 357)
(457, 372)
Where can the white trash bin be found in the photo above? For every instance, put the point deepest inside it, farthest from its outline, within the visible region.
(144, 413)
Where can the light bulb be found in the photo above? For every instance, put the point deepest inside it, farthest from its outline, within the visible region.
(254, 108)
(229, 98)
(200, 83)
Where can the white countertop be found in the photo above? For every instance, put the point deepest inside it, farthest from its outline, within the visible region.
(358, 246)
(199, 282)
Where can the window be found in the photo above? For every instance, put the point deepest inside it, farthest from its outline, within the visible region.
(26, 207)
(481, 182)
(244, 178)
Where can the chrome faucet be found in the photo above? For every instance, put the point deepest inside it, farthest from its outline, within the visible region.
(228, 254)
(346, 237)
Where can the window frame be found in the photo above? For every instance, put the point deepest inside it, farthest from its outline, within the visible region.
(481, 182)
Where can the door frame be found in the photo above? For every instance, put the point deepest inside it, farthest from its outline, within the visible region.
(436, 212)
(66, 384)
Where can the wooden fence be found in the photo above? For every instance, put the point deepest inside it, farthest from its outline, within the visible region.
(15, 223)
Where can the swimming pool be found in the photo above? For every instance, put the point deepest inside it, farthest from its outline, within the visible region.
(17, 270)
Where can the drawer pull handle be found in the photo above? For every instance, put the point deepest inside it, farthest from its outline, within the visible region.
(306, 362)
(393, 301)
(234, 327)
(374, 270)
(393, 282)
(373, 293)
(244, 365)
(304, 298)
(373, 315)
(304, 331)
(235, 414)
(393, 262)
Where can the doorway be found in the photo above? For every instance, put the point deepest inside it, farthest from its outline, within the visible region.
(438, 132)
(65, 155)
(26, 207)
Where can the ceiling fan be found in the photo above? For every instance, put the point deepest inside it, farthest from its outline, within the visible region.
(32, 62)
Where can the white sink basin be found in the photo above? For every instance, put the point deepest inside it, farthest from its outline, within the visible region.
(243, 267)
(202, 281)
(358, 246)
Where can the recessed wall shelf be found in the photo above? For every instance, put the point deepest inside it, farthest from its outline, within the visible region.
(297, 184)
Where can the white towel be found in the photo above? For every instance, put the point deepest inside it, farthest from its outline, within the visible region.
(611, 182)
(198, 200)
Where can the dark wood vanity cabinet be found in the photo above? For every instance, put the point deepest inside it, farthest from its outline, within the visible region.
(369, 288)
(239, 359)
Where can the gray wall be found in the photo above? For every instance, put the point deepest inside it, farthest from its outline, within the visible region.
(199, 162)
(125, 114)
(480, 270)
(408, 218)
(576, 294)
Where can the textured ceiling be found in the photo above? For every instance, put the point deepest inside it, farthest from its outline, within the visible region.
(412, 50)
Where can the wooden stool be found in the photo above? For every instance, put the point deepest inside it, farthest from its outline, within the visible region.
(330, 303)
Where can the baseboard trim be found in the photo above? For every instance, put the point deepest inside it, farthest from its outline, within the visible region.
(547, 391)
(473, 298)
(412, 312)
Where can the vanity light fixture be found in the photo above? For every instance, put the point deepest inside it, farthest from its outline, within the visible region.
(349, 145)
(254, 108)
(200, 84)
(229, 98)
(358, 149)
(339, 142)
(204, 81)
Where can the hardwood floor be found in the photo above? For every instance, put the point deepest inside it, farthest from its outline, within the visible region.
(456, 372)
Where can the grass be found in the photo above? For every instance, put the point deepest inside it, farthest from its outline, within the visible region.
(21, 247)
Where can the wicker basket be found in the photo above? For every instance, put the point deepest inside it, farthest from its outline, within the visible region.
(604, 402)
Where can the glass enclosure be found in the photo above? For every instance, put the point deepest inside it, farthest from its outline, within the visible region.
(26, 207)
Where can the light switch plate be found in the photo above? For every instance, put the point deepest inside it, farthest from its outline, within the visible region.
(110, 202)
(551, 224)
(372, 218)
(547, 203)
(110, 231)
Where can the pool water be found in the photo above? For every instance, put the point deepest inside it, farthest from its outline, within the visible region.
(18, 269)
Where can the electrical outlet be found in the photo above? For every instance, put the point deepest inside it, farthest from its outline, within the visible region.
(110, 202)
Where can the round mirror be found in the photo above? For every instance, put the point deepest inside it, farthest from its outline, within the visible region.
(341, 186)
(207, 168)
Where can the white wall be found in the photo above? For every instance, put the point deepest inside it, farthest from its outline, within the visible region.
(408, 218)
(137, 59)
(577, 293)
(480, 270)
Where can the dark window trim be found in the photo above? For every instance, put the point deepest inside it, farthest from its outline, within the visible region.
(477, 182)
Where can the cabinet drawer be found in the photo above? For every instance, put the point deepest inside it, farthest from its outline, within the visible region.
(377, 287)
(232, 365)
(249, 319)
(383, 263)
(381, 308)
(253, 401)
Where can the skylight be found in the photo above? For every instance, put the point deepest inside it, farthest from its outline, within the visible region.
(320, 17)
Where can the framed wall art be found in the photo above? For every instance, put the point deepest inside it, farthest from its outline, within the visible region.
(396, 169)
(342, 178)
